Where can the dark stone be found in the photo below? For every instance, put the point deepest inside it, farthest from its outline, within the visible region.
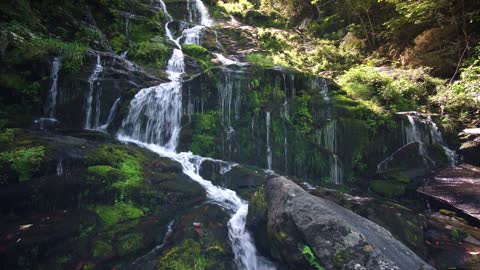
(456, 188)
(336, 236)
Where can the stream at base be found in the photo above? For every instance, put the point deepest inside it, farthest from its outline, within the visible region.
(246, 256)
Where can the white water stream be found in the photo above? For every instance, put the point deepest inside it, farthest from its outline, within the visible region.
(154, 122)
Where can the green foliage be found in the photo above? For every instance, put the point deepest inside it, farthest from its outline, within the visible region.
(199, 53)
(236, 8)
(258, 204)
(458, 235)
(259, 59)
(130, 243)
(460, 100)
(302, 118)
(100, 170)
(6, 136)
(311, 258)
(25, 162)
(203, 141)
(388, 188)
(102, 249)
(150, 53)
(127, 162)
(112, 214)
(408, 91)
(186, 256)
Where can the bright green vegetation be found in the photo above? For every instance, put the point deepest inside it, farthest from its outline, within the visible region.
(408, 91)
(311, 258)
(199, 53)
(190, 255)
(354, 38)
(150, 53)
(25, 162)
(126, 162)
(203, 141)
(112, 214)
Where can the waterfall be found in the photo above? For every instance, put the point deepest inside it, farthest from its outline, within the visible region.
(52, 93)
(192, 35)
(438, 139)
(204, 15)
(97, 108)
(60, 167)
(269, 150)
(285, 119)
(327, 138)
(154, 122)
(110, 115)
(412, 134)
(91, 83)
(322, 85)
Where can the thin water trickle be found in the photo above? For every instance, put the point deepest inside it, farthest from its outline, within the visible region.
(269, 150)
(91, 83)
(52, 93)
(111, 114)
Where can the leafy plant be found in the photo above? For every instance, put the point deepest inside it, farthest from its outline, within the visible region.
(311, 258)
(25, 162)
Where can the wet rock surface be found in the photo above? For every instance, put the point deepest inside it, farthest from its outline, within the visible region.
(470, 148)
(457, 188)
(305, 230)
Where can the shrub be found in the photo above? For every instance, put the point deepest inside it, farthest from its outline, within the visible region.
(25, 162)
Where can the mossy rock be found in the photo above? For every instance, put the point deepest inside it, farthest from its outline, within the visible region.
(130, 243)
(102, 249)
(112, 214)
(388, 188)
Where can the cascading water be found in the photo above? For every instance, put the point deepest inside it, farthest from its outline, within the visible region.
(413, 134)
(91, 83)
(154, 122)
(60, 167)
(111, 114)
(269, 150)
(322, 85)
(327, 137)
(438, 139)
(52, 93)
(285, 119)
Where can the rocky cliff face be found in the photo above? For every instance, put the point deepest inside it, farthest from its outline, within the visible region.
(306, 232)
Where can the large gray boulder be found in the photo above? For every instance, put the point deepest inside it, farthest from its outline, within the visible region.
(308, 232)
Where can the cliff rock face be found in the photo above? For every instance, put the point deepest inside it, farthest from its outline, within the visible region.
(307, 231)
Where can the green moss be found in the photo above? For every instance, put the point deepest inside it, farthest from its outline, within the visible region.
(447, 212)
(100, 170)
(311, 258)
(203, 141)
(102, 249)
(150, 53)
(199, 53)
(258, 204)
(112, 214)
(25, 162)
(130, 243)
(126, 162)
(457, 235)
(261, 60)
(387, 188)
(188, 255)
